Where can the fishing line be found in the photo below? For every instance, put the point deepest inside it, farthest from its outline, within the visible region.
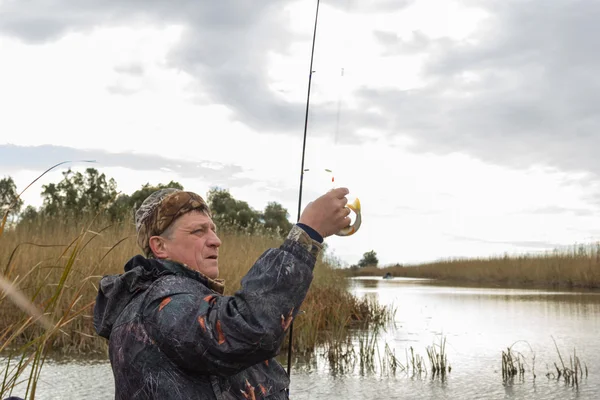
(341, 80)
(339, 108)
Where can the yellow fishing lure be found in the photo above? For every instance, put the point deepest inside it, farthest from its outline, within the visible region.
(351, 229)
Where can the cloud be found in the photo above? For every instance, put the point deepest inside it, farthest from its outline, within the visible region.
(225, 46)
(522, 90)
(394, 45)
(369, 7)
(43, 157)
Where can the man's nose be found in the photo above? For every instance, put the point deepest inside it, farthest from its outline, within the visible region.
(214, 240)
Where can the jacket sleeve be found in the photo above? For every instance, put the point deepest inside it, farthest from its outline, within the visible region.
(209, 333)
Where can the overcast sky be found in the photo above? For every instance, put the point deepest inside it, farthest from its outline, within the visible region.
(466, 128)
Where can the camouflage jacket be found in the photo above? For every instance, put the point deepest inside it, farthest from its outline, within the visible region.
(174, 335)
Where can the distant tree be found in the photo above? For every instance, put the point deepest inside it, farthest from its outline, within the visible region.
(8, 198)
(228, 211)
(83, 194)
(121, 208)
(233, 213)
(369, 259)
(30, 214)
(78, 194)
(138, 197)
(53, 201)
(220, 201)
(97, 191)
(276, 216)
(125, 205)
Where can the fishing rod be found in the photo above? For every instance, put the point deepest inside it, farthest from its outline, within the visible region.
(312, 54)
(354, 206)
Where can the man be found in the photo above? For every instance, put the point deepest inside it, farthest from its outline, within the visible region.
(174, 335)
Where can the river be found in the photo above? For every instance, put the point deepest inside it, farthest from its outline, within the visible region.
(478, 324)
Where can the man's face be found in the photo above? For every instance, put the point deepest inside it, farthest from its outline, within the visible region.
(194, 242)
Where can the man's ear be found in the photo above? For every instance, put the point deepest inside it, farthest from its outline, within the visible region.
(158, 246)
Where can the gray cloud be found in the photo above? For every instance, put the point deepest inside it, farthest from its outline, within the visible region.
(394, 45)
(535, 96)
(535, 63)
(372, 6)
(224, 46)
(43, 157)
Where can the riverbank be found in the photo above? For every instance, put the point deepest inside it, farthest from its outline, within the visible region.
(577, 268)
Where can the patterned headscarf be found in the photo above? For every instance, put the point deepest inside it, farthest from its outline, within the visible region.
(160, 210)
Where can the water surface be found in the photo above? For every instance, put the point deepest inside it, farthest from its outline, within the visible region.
(477, 323)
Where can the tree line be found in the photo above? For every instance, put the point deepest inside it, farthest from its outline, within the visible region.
(79, 195)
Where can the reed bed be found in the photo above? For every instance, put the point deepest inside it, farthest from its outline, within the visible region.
(576, 267)
(34, 259)
(54, 267)
(415, 364)
(374, 356)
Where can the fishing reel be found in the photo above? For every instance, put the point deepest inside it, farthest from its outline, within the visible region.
(353, 206)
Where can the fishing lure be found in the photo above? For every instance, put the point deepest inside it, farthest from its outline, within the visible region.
(351, 229)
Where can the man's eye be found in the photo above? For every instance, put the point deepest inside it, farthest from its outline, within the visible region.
(198, 231)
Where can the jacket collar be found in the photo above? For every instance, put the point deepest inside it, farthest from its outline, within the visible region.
(218, 285)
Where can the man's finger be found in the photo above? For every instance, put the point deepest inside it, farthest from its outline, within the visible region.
(340, 192)
(344, 212)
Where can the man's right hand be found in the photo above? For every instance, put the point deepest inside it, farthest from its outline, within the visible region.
(328, 213)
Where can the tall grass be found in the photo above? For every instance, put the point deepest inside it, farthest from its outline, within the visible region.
(31, 323)
(37, 258)
(577, 267)
(54, 268)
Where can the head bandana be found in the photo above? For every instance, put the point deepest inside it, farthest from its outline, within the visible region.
(160, 209)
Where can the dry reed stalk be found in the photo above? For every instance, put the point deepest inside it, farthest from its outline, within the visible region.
(514, 362)
(512, 365)
(439, 361)
(571, 374)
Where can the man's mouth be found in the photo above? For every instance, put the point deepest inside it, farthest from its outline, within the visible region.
(214, 257)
